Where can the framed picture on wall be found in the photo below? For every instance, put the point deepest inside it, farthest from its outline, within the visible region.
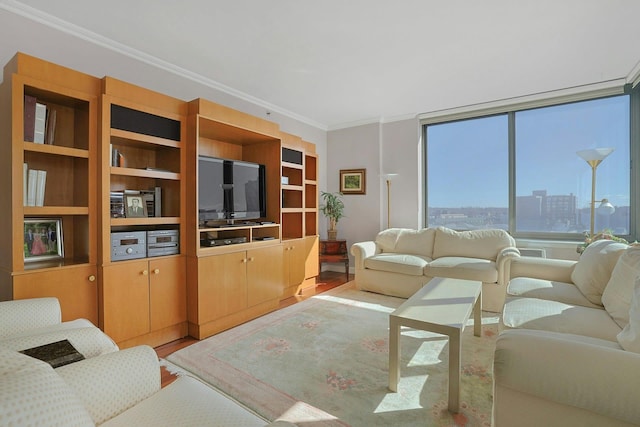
(42, 239)
(353, 181)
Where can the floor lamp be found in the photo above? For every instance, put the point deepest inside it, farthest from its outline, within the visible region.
(594, 157)
(388, 177)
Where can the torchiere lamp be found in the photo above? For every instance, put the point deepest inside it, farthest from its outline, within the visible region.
(388, 177)
(594, 157)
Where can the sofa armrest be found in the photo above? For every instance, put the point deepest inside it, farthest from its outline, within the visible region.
(361, 251)
(503, 263)
(569, 370)
(114, 382)
(558, 270)
(19, 316)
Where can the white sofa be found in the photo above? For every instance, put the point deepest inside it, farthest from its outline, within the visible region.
(115, 389)
(33, 322)
(400, 261)
(568, 351)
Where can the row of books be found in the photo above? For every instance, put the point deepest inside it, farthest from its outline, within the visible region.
(34, 182)
(152, 201)
(39, 121)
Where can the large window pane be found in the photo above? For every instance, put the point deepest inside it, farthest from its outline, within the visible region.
(467, 173)
(553, 184)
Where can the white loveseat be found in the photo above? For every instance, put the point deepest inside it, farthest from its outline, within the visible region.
(400, 261)
(115, 389)
(568, 351)
(33, 322)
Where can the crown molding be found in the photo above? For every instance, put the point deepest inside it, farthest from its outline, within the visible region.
(43, 18)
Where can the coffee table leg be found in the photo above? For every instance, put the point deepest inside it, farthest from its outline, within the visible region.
(454, 371)
(394, 353)
(477, 316)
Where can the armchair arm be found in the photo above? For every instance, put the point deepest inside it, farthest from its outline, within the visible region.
(558, 270)
(19, 316)
(567, 370)
(503, 263)
(361, 251)
(112, 383)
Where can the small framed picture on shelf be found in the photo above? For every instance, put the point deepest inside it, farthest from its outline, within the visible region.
(136, 207)
(43, 239)
(353, 181)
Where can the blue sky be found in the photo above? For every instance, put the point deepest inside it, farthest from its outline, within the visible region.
(468, 160)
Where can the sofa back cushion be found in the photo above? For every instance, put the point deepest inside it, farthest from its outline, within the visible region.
(593, 270)
(407, 241)
(616, 297)
(32, 393)
(629, 337)
(485, 244)
(19, 316)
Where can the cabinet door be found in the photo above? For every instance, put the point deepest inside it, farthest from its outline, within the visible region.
(222, 285)
(125, 300)
(312, 268)
(168, 293)
(264, 274)
(294, 259)
(75, 288)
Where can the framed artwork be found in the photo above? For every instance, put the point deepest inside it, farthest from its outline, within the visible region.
(353, 181)
(136, 207)
(43, 239)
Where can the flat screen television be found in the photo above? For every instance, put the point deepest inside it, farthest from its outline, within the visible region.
(230, 189)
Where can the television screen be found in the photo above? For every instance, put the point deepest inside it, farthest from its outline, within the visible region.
(230, 189)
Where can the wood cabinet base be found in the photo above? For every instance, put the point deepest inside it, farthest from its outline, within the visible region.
(208, 329)
(159, 337)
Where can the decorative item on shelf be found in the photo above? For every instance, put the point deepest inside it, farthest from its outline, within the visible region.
(333, 209)
(606, 234)
(353, 181)
(594, 157)
(136, 208)
(43, 239)
(388, 178)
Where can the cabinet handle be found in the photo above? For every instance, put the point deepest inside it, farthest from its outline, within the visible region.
(145, 272)
(156, 271)
(244, 260)
(92, 278)
(251, 259)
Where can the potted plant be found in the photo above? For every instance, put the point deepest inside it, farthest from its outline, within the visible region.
(333, 209)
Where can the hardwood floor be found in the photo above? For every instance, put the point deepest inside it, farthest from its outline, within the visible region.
(326, 281)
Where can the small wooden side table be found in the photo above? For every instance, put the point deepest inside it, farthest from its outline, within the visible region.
(334, 251)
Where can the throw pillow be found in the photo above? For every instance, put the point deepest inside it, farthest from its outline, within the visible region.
(616, 297)
(629, 338)
(593, 270)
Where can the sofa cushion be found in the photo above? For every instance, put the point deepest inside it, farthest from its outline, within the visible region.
(32, 393)
(397, 263)
(593, 269)
(616, 297)
(554, 316)
(407, 241)
(485, 244)
(629, 338)
(530, 287)
(463, 268)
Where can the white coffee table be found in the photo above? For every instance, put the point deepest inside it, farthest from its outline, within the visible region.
(442, 306)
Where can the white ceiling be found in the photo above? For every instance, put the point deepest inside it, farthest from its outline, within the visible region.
(335, 62)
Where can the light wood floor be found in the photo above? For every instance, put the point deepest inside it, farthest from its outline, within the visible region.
(326, 281)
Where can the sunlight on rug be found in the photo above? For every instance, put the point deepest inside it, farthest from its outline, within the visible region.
(331, 352)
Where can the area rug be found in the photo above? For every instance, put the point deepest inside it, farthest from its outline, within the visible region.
(331, 352)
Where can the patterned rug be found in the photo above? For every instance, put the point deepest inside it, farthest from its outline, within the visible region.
(331, 352)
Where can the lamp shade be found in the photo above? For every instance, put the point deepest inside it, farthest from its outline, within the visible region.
(606, 208)
(595, 154)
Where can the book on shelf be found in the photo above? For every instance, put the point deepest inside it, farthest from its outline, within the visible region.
(29, 117)
(40, 187)
(31, 187)
(50, 126)
(25, 181)
(40, 123)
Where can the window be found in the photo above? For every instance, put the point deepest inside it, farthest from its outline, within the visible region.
(553, 184)
(469, 171)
